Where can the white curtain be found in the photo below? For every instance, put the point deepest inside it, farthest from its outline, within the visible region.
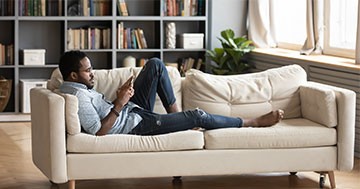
(260, 24)
(357, 50)
(314, 27)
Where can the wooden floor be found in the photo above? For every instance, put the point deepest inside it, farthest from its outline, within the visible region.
(18, 172)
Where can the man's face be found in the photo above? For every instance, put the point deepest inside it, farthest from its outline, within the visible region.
(85, 74)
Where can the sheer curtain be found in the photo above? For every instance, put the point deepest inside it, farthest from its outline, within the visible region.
(260, 28)
(314, 27)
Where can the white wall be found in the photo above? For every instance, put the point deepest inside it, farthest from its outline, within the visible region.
(224, 14)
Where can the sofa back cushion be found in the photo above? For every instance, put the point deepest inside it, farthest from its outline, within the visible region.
(107, 82)
(245, 95)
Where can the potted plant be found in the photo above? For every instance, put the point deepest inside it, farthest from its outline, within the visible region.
(229, 59)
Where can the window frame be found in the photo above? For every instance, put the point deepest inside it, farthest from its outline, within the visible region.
(283, 44)
(327, 49)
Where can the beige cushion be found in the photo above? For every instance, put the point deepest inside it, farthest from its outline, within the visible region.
(107, 82)
(285, 82)
(290, 133)
(71, 114)
(245, 95)
(184, 140)
(319, 104)
(55, 80)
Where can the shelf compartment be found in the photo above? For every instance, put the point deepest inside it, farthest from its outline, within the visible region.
(174, 56)
(8, 73)
(33, 72)
(35, 8)
(100, 59)
(151, 30)
(7, 8)
(40, 35)
(89, 8)
(120, 56)
(186, 27)
(7, 42)
(142, 7)
(95, 35)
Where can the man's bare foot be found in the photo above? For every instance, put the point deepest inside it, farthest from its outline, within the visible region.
(266, 120)
(172, 108)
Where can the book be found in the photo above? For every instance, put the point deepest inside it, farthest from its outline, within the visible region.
(199, 64)
(70, 39)
(133, 39)
(138, 39)
(142, 38)
(193, 8)
(169, 8)
(128, 38)
(122, 7)
(120, 35)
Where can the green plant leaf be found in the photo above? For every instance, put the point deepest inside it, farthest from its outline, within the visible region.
(227, 34)
(229, 58)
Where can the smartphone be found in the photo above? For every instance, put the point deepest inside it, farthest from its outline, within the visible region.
(132, 80)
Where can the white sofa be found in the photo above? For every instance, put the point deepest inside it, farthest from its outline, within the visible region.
(317, 133)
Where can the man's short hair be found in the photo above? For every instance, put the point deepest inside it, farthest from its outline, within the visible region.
(70, 62)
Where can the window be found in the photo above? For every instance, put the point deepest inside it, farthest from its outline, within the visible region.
(340, 22)
(289, 23)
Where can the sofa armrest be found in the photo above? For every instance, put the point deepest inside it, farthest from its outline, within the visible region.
(48, 133)
(345, 105)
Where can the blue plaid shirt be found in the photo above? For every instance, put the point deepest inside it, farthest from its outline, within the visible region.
(93, 107)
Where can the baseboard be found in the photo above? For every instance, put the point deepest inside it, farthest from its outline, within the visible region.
(15, 117)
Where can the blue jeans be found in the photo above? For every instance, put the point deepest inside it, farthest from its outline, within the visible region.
(154, 79)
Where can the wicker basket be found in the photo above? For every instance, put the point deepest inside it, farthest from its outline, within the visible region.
(5, 92)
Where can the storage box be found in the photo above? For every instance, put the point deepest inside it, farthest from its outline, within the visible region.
(25, 86)
(33, 56)
(191, 40)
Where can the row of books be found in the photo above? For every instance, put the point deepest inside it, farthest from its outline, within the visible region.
(41, 7)
(7, 7)
(89, 38)
(89, 8)
(185, 64)
(130, 38)
(6, 54)
(183, 7)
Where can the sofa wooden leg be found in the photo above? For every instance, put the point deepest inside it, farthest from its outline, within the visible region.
(71, 184)
(176, 180)
(332, 179)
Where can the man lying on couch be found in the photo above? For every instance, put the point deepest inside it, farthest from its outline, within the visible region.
(132, 110)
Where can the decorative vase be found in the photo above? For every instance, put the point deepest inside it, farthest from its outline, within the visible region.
(129, 61)
(5, 92)
(170, 32)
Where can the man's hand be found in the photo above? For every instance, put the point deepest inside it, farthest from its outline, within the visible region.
(124, 93)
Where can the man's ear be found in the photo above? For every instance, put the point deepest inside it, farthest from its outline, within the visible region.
(73, 76)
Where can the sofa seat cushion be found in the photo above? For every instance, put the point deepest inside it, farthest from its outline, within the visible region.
(290, 133)
(184, 140)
